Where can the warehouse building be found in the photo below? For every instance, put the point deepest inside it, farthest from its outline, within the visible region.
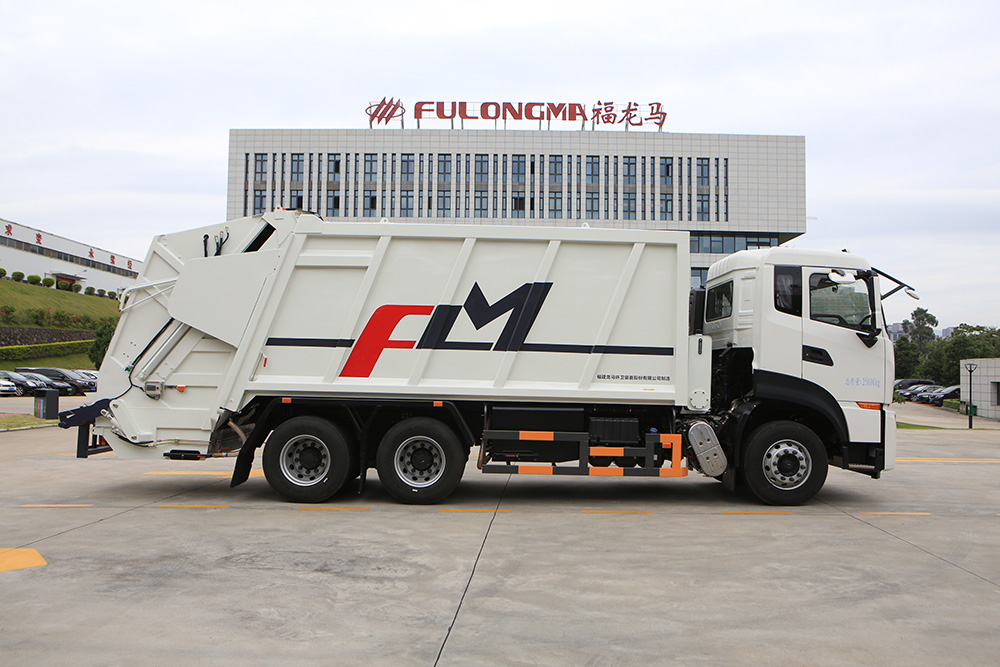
(729, 191)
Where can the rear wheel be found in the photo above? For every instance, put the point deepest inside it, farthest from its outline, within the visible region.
(307, 459)
(420, 461)
(784, 463)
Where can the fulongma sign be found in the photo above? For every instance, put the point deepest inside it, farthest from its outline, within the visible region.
(602, 113)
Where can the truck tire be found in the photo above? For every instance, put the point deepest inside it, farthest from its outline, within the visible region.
(307, 459)
(784, 463)
(420, 461)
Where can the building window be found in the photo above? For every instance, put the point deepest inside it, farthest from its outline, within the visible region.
(555, 204)
(333, 204)
(666, 206)
(517, 169)
(444, 168)
(260, 166)
(593, 169)
(628, 206)
(444, 204)
(259, 197)
(333, 168)
(406, 168)
(666, 171)
(298, 166)
(296, 200)
(702, 167)
(482, 168)
(703, 210)
(698, 278)
(481, 204)
(593, 206)
(371, 167)
(555, 169)
(517, 204)
(628, 170)
(406, 204)
(368, 204)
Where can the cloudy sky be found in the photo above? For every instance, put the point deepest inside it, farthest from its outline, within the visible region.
(112, 108)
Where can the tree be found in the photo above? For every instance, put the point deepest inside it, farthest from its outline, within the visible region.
(943, 363)
(102, 339)
(907, 358)
(921, 329)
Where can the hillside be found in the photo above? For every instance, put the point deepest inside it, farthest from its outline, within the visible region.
(24, 298)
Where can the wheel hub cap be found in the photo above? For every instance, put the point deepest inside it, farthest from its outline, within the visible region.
(305, 460)
(787, 464)
(419, 461)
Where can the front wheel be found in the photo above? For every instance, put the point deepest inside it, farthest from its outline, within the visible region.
(420, 461)
(307, 459)
(784, 463)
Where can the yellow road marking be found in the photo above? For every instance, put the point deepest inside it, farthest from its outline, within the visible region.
(20, 559)
(202, 473)
(900, 513)
(335, 509)
(450, 510)
(204, 506)
(57, 505)
(741, 512)
(616, 511)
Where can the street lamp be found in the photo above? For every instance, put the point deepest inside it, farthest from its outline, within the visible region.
(971, 367)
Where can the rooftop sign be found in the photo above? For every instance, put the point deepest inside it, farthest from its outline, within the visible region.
(608, 114)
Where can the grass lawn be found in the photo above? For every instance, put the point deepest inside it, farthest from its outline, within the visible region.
(70, 361)
(904, 425)
(25, 297)
(20, 421)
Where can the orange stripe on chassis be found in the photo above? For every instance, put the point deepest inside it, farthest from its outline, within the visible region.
(607, 451)
(534, 470)
(536, 435)
(607, 472)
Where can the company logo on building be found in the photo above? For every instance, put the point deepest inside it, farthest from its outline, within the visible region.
(608, 114)
(385, 111)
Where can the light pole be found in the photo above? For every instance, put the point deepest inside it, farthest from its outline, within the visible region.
(971, 367)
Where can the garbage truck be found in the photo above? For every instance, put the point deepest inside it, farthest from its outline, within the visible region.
(411, 348)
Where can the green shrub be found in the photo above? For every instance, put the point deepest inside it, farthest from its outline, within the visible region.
(90, 291)
(77, 287)
(40, 316)
(3, 273)
(48, 282)
(101, 292)
(99, 347)
(8, 314)
(21, 352)
(112, 295)
(61, 319)
(63, 285)
(952, 404)
(17, 276)
(34, 280)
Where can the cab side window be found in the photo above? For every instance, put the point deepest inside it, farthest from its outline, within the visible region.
(719, 302)
(844, 305)
(788, 290)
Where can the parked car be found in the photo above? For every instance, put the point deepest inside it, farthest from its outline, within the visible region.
(22, 385)
(939, 397)
(63, 388)
(80, 384)
(90, 375)
(7, 388)
(911, 394)
(915, 389)
(906, 383)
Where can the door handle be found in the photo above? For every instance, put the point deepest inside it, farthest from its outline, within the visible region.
(816, 355)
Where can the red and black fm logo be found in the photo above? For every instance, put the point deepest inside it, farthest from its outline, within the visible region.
(385, 111)
(522, 307)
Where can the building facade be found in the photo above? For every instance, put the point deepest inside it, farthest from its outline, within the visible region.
(35, 252)
(730, 191)
(985, 385)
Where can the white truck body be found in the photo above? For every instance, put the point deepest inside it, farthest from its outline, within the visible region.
(542, 345)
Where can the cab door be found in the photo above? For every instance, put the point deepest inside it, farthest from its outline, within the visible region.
(843, 347)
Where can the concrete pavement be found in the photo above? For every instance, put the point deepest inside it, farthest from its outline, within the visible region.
(157, 562)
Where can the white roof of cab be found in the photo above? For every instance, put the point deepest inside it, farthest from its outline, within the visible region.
(755, 259)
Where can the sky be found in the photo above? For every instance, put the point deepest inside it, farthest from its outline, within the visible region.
(115, 116)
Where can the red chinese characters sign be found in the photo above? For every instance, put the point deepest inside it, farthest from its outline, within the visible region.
(610, 114)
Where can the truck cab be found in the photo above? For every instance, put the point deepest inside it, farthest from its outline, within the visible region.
(761, 306)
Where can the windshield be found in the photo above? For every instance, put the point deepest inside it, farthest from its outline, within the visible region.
(845, 305)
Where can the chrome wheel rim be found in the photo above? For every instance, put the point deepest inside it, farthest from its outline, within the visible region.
(305, 460)
(787, 464)
(419, 461)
